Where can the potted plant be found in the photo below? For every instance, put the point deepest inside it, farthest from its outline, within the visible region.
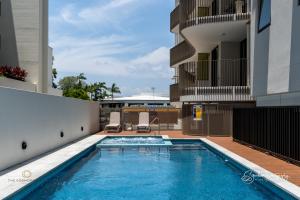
(15, 73)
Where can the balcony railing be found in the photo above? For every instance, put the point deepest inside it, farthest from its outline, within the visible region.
(174, 93)
(181, 52)
(195, 12)
(175, 17)
(222, 93)
(214, 80)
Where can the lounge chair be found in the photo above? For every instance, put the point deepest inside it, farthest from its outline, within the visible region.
(144, 125)
(114, 123)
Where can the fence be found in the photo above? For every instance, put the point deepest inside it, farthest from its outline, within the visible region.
(214, 80)
(181, 52)
(174, 17)
(216, 121)
(273, 129)
(194, 12)
(167, 117)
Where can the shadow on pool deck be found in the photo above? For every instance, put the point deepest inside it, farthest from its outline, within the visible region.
(271, 163)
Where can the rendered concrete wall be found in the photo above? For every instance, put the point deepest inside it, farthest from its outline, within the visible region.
(295, 50)
(275, 51)
(15, 84)
(8, 47)
(259, 54)
(280, 46)
(30, 19)
(38, 119)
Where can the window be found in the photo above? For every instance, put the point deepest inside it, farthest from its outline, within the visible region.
(264, 15)
(298, 2)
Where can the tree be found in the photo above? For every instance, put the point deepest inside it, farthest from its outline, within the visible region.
(114, 90)
(76, 93)
(81, 78)
(54, 76)
(68, 82)
(98, 91)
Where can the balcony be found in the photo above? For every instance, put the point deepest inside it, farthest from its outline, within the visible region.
(174, 93)
(196, 12)
(215, 80)
(205, 23)
(181, 52)
(174, 18)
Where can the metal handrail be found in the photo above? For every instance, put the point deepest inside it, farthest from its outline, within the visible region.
(158, 121)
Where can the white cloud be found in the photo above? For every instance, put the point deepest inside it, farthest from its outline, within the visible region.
(112, 12)
(104, 56)
(83, 42)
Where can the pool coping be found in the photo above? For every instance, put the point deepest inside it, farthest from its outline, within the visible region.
(276, 180)
(16, 179)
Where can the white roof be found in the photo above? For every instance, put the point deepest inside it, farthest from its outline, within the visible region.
(141, 98)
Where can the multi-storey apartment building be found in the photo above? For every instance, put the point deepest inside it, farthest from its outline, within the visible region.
(238, 61)
(24, 43)
(211, 60)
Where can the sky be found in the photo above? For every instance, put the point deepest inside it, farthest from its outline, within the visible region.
(125, 42)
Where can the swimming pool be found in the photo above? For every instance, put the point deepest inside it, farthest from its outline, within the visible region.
(187, 170)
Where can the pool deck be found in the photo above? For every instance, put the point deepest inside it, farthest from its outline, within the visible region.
(275, 165)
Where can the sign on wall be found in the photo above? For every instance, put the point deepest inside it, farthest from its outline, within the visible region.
(197, 112)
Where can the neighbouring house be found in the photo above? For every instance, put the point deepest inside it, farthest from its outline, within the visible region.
(133, 101)
(24, 44)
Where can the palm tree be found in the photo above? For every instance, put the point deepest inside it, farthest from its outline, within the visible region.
(114, 89)
(81, 77)
(98, 91)
(54, 76)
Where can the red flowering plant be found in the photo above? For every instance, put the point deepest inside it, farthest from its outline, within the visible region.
(13, 72)
(1, 72)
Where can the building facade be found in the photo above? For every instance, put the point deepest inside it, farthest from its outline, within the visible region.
(275, 52)
(211, 60)
(273, 126)
(233, 54)
(24, 43)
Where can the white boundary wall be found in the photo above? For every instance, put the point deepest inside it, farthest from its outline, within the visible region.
(38, 119)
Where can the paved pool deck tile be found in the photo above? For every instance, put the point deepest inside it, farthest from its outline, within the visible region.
(16, 179)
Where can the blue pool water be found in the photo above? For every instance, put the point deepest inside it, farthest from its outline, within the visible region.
(180, 173)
